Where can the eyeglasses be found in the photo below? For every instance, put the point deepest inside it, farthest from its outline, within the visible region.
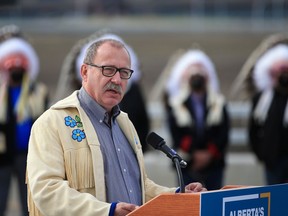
(110, 71)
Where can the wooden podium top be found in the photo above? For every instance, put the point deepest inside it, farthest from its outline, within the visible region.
(230, 200)
(165, 205)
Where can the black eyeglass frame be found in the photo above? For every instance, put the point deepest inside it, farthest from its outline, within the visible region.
(127, 70)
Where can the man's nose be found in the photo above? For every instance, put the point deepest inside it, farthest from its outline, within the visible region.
(116, 78)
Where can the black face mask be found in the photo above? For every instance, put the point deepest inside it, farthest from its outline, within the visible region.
(197, 83)
(283, 80)
(17, 75)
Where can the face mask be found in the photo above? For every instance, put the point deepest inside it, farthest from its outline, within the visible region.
(17, 75)
(197, 83)
(283, 80)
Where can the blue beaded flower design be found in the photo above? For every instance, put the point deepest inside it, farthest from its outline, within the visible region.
(77, 134)
(70, 122)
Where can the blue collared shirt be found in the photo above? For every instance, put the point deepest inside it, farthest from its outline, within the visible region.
(122, 173)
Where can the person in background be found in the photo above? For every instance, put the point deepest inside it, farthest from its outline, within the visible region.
(262, 81)
(85, 156)
(22, 100)
(133, 102)
(268, 122)
(197, 118)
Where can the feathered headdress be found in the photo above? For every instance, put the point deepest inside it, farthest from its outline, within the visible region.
(193, 56)
(16, 51)
(250, 79)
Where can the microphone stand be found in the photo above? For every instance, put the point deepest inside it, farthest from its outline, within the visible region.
(179, 174)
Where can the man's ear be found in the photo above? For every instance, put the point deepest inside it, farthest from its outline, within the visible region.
(84, 72)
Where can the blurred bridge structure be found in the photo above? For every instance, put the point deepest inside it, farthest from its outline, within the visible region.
(252, 8)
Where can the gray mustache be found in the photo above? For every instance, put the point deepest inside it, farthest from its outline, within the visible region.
(114, 87)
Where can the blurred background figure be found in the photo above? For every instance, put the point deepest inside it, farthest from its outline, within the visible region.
(133, 102)
(197, 118)
(22, 100)
(265, 79)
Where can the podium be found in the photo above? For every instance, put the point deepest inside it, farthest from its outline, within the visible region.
(229, 201)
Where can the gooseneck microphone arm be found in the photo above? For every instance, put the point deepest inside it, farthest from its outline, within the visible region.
(179, 174)
(158, 143)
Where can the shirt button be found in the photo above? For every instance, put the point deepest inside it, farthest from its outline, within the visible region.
(100, 121)
(124, 170)
(118, 149)
(130, 191)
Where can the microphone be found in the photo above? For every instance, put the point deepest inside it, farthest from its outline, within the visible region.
(158, 143)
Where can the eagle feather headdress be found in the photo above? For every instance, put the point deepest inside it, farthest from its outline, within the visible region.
(254, 77)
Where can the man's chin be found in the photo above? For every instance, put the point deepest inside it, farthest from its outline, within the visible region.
(111, 102)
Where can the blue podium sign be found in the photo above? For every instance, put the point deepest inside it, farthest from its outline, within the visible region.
(246, 201)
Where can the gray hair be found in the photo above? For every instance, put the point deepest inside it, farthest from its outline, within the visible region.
(91, 52)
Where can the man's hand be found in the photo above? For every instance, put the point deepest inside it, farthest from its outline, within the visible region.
(123, 209)
(194, 187)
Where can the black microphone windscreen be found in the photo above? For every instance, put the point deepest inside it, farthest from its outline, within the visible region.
(154, 140)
